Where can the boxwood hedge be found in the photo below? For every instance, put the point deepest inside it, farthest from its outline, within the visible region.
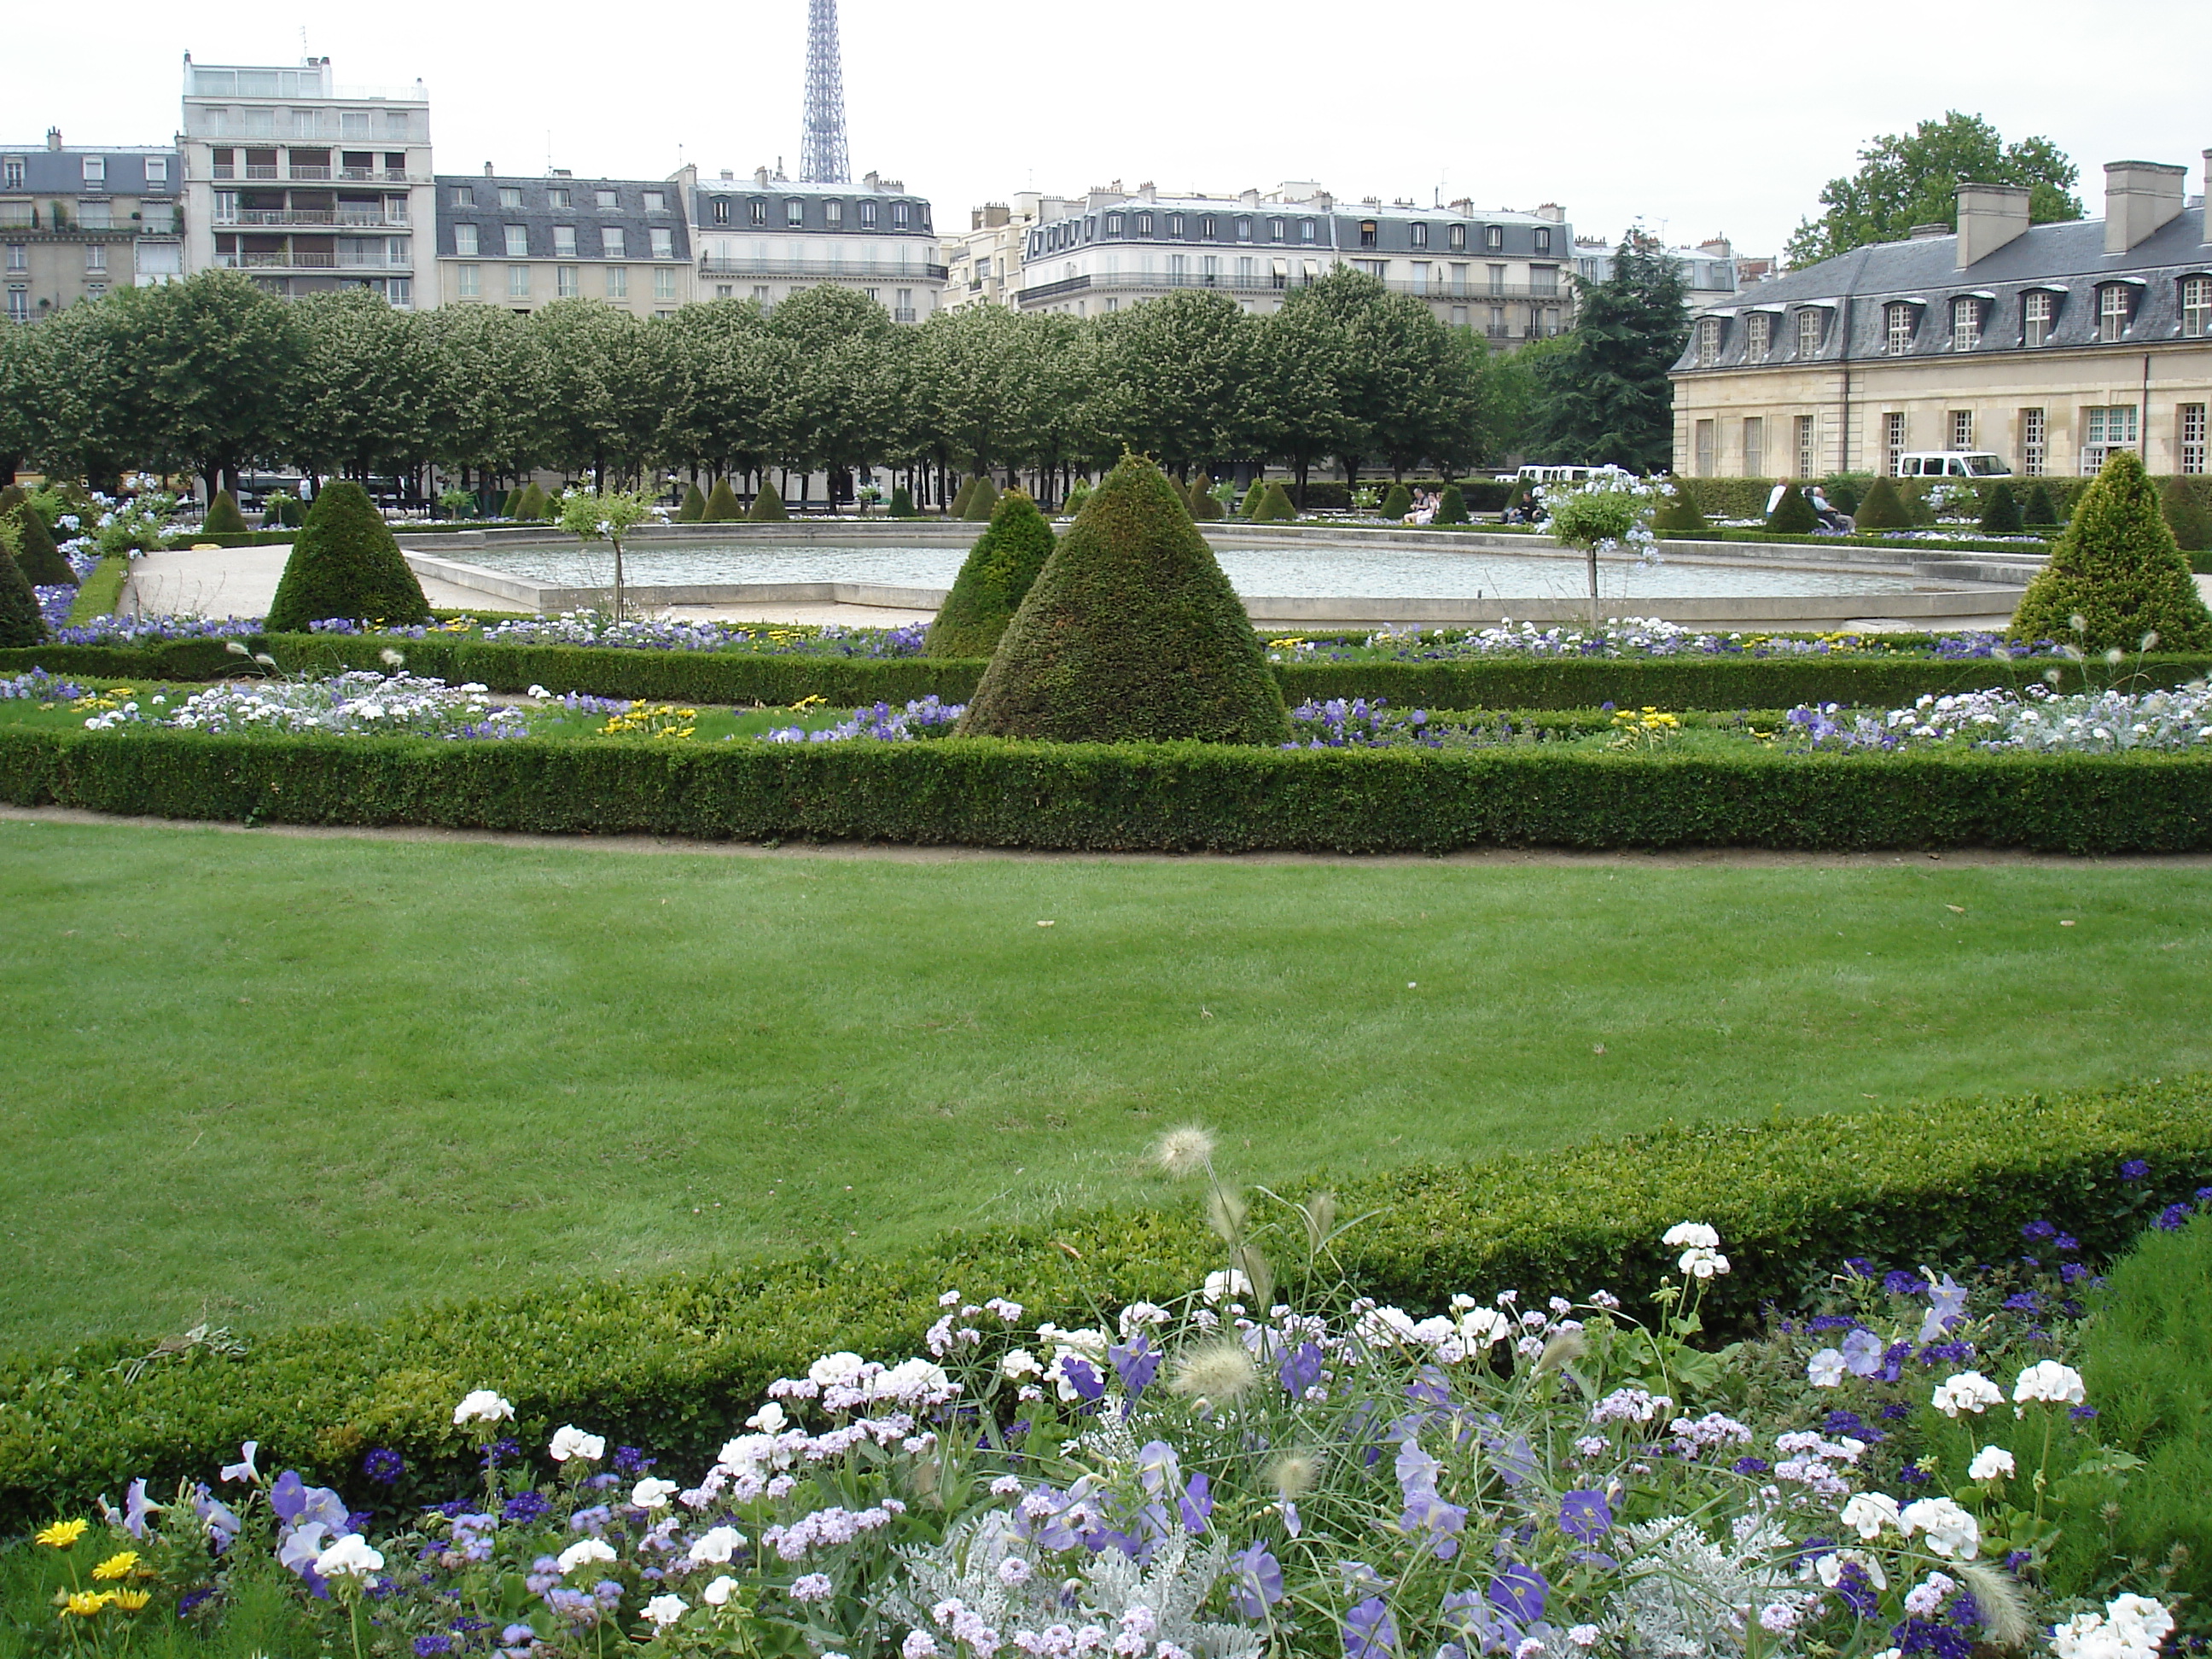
(673, 1363)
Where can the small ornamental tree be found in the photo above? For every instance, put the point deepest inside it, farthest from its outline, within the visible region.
(902, 502)
(982, 500)
(767, 506)
(2001, 513)
(223, 518)
(694, 509)
(42, 562)
(534, 507)
(1793, 514)
(605, 517)
(1883, 508)
(2186, 514)
(2117, 567)
(1610, 512)
(1205, 505)
(1451, 507)
(994, 581)
(1130, 633)
(1275, 506)
(1397, 501)
(1679, 515)
(961, 497)
(19, 621)
(459, 503)
(346, 564)
(1253, 497)
(512, 505)
(2041, 513)
(722, 505)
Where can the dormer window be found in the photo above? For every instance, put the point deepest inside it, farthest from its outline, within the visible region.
(1112, 224)
(1307, 230)
(1243, 230)
(2116, 305)
(1543, 239)
(721, 210)
(1458, 238)
(756, 212)
(1367, 233)
(2039, 317)
(1758, 336)
(1419, 233)
(902, 212)
(1708, 342)
(867, 215)
(1144, 224)
(1206, 227)
(1900, 322)
(1275, 230)
(2196, 308)
(833, 213)
(1966, 323)
(1175, 224)
(1811, 323)
(794, 212)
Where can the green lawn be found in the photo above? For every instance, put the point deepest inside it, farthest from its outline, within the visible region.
(255, 1078)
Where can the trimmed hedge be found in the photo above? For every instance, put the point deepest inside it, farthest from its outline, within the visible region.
(1135, 797)
(671, 1363)
(101, 591)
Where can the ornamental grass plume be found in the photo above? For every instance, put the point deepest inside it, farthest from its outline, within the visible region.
(2117, 567)
(1219, 1372)
(1292, 1474)
(1184, 1152)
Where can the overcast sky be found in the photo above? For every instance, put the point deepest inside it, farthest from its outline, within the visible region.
(1693, 118)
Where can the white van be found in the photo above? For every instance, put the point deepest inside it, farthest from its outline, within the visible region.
(1951, 464)
(1537, 475)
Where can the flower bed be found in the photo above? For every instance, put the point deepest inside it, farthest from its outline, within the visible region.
(1264, 1458)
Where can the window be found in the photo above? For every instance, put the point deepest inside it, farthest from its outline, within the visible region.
(619, 282)
(613, 242)
(1112, 224)
(96, 256)
(395, 124)
(510, 195)
(463, 196)
(1496, 329)
(2196, 308)
(518, 241)
(1277, 230)
(1420, 234)
(607, 200)
(1378, 268)
(1808, 446)
(564, 242)
(903, 312)
(1708, 342)
(2105, 429)
(794, 212)
(1497, 279)
(1707, 441)
(468, 282)
(1307, 230)
(2190, 425)
(1543, 240)
(19, 305)
(1458, 316)
(760, 296)
(1243, 230)
(465, 241)
(756, 213)
(1208, 227)
(1367, 233)
(901, 216)
(157, 169)
(1893, 441)
(1758, 336)
(1248, 272)
(353, 124)
(664, 243)
(1459, 238)
(518, 282)
(1811, 319)
(833, 213)
(1175, 224)
(656, 201)
(867, 215)
(19, 257)
(1966, 324)
(663, 283)
(2115, 302)
(1493, 237)
(1962, 428)
(11, 171)
(2038, 314)
(559, 197)
(564, 282)
(1754, 447)
(93, 215)
(1543, 279)
(95, 169)
(2032, 452)
(1899, 323)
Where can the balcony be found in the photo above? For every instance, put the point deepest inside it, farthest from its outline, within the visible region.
(378, 175)
(1266, 282)
(369, 218)
(261, 169)
(310, 262)
(310, 170)
(869, 270)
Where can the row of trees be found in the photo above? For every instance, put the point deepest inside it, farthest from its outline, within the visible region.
(212, 376)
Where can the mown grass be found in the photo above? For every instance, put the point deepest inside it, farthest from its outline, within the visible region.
(253, 1078)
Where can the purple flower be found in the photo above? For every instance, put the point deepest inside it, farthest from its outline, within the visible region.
(2025, 1302)
(1369, 1633)
(2038, 1229)
(1898, 1282)
(1861, 1352)
(2133, 1170)
(629, 1461)
(1751, 1466)
(1585, 1516)
(426, 1645)
(2174, 1217)
(1520, 1592)
(2065, 1242)
(1858, 1267)
(384, 1466)
(1136, 1361)
(1256, 1581)
(2082, 1413)
(135, 1508)
(1300, 1369)
(1083, 1377)
(525, 1507)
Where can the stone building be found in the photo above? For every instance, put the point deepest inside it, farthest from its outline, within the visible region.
(763, 237)
(2051, 345)
(75, 222)
(524, 242)
(983, 264)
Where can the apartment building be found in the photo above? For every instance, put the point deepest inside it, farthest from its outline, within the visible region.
(1499, 272)
(520, 242)
(764, 237)
(307, 184)
(1710, 270)
(983, 264)
(74, 222)
(2049, 345)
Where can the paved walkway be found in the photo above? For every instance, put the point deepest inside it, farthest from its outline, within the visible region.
(235, 581)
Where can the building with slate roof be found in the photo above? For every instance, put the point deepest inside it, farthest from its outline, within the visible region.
(763, 237)
(76, 222)
(524, 242)
(2051, 345)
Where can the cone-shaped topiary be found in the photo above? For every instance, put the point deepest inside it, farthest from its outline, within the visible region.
(1078, 493)
(11, 497)
(902, 502)
(694, 509)
(42, 562)
(961, 497)
(1451, 507)
(534, 507)
(1397, 501)
(767, 506)
(512, 505)
(982, 500)
(1130, 634)
(722, 505)
(1679, 515)
(2001, 513)
(1843, 496)
(345, 563)
(2187, 516)
(1253, 498)
(1275, 506)
(1882, 508)
(1793, 514)
(994, 581)
(2041, 512)
(2117, 567)
(19, 621)
(1204, 503)
(223, 518)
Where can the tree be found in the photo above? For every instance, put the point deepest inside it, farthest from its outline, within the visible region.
(1793, 514)
(1451, 506)
(768, 505)
(1397, 501)
(902, 502)
(994, 578)
(1883, 508)
(2040, 512)
(982, 500)
(533, 507)
(722, 505)
(2001, 513)
(1131, 632)
(1298, 386)
(21, 622)
(2186, 515)
(1679, 515)
(1174, 377)
(606, 515)
(2118, 568)
(223, 518)
(695, 506)
(1275, 506)
(215, 357)
(1912, 179)
(346, 564)
(42, 562)
(1606, 397)
(1252, 497)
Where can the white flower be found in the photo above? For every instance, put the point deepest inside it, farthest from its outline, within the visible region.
(569, 1441)
(653, 1493)
(833, 1369)
(1830, 1567)
(1867, 1513)
(1485, 1326)
(1693, 1234)
(769, 1419)
(349, 1558)
(664, 1611)
(719, 1591)
(1226, 1282)
(1583, 1636)
(1825, 1370)
(1965, 1391)
(1019, 1364)
(2130, 1627)
(716, 1546)
(243, 1469)
(482, 1405)
(582, 1552)
(1991, 1463)
(2049, 1380)
(1699, 1263)
(1952, 1532)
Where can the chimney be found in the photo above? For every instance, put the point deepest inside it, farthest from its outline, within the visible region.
(488, 173)
(54, 137)
(995, 214)
(1249, 198)
(1148, 191)
(760, 178)
(729, 176)
(2139, 197)
(2208, 195)
(1934, 233)
(1990, 217)
(872, 182)
(1552, 211)
(1463, 206)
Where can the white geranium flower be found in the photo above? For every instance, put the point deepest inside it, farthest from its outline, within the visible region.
(1951, 1532)
(1965, 1391)
(582, 1553)
(716, 1546)
(653, 1493)
(1991, 1463)
(1701, 1262)
(350, 1557)
(2049, 1382)
(719, 1590)
(664, 1610)
(1225, 1282)
(1693, 1235)
(1019, 1364)
(482, 1405)
(769, 1419)
(569, 1441)
(1867, 1513)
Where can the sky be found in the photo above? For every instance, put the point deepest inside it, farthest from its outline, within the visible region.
(1692, 119)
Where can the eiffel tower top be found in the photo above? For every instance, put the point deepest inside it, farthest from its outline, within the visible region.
(822, 155)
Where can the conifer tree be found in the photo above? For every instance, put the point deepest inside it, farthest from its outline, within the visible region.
(1203, 504)
(1883, 508)
(694, 509)
(902, 502)
(767, 506)
(2041, 513)
(722, 506)
(961, 497)
(2186, 514)
(982, 500)
(42, 562)
(346, 564)
(1397, 501)
(994, 581)
(534, 507)
(21, 623)
(223, 518)
(1451, 506)
(1679, 515)
(1252, 498)
(1275, 506)
(1793, 514)
(512, 506)
(2117, 567)
(2001, 513)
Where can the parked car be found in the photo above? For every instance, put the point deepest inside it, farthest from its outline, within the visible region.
(1951, 464)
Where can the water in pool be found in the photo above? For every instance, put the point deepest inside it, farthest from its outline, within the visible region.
(1275, 572)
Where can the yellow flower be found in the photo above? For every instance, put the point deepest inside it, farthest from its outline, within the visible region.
(85, 1603)
(62, 1535)
(129, 1600)
(118, 1565)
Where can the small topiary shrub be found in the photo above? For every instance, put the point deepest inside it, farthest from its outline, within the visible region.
(1253, 497)
(223, 518)
(1844, 496)
(291, 512)
(1793, 514)
(2001, 513)
(21, 622)
(42, 562)
(994, 581)
(346, 564)
(1203, 504)
(902, 502)
(1076, 497)
(2186, 515)
(1882, 508)
(722, 506)
(1679, 515)
(768, 505)
(694, 509)
(1451, 507)
(2117, 567)
(982, 500)
(961, 497)
(535, 507)
(1397, 501)
(511, 505)
(1274, 507)
(2041, 509)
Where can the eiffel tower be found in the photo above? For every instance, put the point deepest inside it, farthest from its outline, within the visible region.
(821, 157)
